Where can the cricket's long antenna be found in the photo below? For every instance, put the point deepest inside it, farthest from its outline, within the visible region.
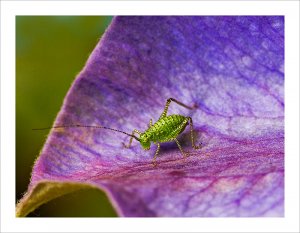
(87, 126)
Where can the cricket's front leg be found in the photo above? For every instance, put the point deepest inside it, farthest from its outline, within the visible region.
(131, 138)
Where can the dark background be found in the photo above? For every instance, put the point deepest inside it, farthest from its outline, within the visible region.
(50, 52)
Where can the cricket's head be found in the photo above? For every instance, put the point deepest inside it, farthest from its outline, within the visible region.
(145, 141)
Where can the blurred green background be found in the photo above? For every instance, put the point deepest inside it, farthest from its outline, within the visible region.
(50, 52)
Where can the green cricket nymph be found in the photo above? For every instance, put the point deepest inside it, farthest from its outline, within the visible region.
(166, 129)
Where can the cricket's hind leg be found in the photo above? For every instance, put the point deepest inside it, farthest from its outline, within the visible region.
(164, 114)
(192, 135)
(150, 123)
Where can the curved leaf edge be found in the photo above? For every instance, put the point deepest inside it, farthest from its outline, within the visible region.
(47, 190)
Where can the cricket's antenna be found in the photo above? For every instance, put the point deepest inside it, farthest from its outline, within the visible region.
(87, 126)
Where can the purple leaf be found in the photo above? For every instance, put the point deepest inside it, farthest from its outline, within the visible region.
(230, 68)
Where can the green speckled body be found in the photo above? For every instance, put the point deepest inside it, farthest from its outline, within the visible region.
(166, 128)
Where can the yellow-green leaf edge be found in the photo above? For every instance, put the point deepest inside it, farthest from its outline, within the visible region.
(45, 191)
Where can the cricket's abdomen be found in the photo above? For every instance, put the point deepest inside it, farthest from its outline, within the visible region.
(167, 128)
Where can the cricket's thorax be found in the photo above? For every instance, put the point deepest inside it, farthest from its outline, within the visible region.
(166, 128)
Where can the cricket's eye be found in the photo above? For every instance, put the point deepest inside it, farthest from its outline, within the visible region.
(144, 137)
